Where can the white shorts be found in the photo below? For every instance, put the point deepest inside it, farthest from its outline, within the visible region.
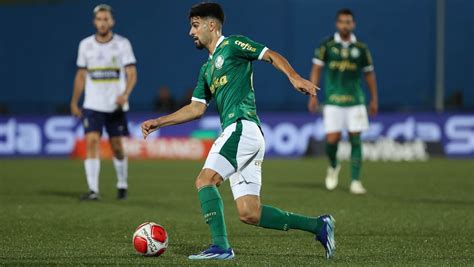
(353, 119)
(237, 155)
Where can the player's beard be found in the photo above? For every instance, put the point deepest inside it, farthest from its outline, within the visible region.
(198, 44)
(103, 32)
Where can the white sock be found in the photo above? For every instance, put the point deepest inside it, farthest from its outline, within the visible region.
(121, 168)
(92, 167)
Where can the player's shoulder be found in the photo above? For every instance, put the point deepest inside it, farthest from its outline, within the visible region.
(237, 39)
(328, 41)
(88, 40)
(120, 38)
(360, 44)
(203, 67)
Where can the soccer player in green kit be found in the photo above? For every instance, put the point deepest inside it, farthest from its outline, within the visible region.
(344, 58)
(237, 155)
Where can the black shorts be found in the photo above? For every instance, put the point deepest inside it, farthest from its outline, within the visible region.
(115, 122)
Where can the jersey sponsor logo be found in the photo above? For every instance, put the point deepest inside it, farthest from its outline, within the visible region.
(245, 46)
(104, 74)
(343, 65)
(218, 82)
(219, 62)
(355, 53)
(341, 99)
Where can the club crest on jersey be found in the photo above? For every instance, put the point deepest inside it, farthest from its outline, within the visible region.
(219, 62)
(355, 53)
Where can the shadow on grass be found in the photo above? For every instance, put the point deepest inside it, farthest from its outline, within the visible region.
(187, 249)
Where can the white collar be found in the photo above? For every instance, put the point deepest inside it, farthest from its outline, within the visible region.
(219, 41)
(338, 39)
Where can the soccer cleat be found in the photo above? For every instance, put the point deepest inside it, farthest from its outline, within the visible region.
(122, 194)
(91, 195)
(214, 253)
(332, 177)
(326, 235)
(357, 188)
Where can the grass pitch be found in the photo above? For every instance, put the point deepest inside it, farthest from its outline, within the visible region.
(415, 214)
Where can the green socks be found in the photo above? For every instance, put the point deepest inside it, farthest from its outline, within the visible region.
(331, 151)
(356, 156)
(213, 211)
(274, 218)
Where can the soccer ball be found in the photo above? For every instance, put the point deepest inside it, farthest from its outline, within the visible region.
(150, 239)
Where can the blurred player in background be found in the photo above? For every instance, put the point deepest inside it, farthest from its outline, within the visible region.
(345, 58)
(106, 70)
(237, 155)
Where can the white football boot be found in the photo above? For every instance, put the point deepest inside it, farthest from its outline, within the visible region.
(332, 177)
(357, 188)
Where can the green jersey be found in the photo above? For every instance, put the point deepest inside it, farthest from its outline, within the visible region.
(344, 63)
(227, 76)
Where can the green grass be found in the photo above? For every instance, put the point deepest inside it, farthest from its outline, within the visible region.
(415, 214)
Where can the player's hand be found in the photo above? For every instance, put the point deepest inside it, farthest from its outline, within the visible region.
(148, 127)
(75, 110)
(373, 108)
(304, 86)
(121, 99)
(313, 104)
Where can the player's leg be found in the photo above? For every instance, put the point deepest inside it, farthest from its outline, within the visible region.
(358, 122)
(93, 123)
(212, 209)
(216, 169)
(246, 184)
(116, 126)
(212, 206)
(334, 121)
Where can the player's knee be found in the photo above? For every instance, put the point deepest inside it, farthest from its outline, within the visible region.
(118, 152)
(249, 217)
(93, 144)
(332, 139)
(207, 177)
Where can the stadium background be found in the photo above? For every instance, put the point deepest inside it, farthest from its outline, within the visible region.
(420, 49)
(39, 48)
(415, 213)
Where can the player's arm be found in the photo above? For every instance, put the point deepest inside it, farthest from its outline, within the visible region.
(190, 112)
(281, 63)
(374, 97)
(79, 83)
(131, 72)
(369, 75)
(315, 78)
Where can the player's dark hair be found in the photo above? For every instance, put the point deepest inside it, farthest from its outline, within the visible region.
(205, 9)
(344, 11)
(103, 7)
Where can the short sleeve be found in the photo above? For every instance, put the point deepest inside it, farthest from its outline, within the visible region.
(320, 55)
(81, 56)
(201, 92)
(248, 49)
(367, 64)
(128, 58)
